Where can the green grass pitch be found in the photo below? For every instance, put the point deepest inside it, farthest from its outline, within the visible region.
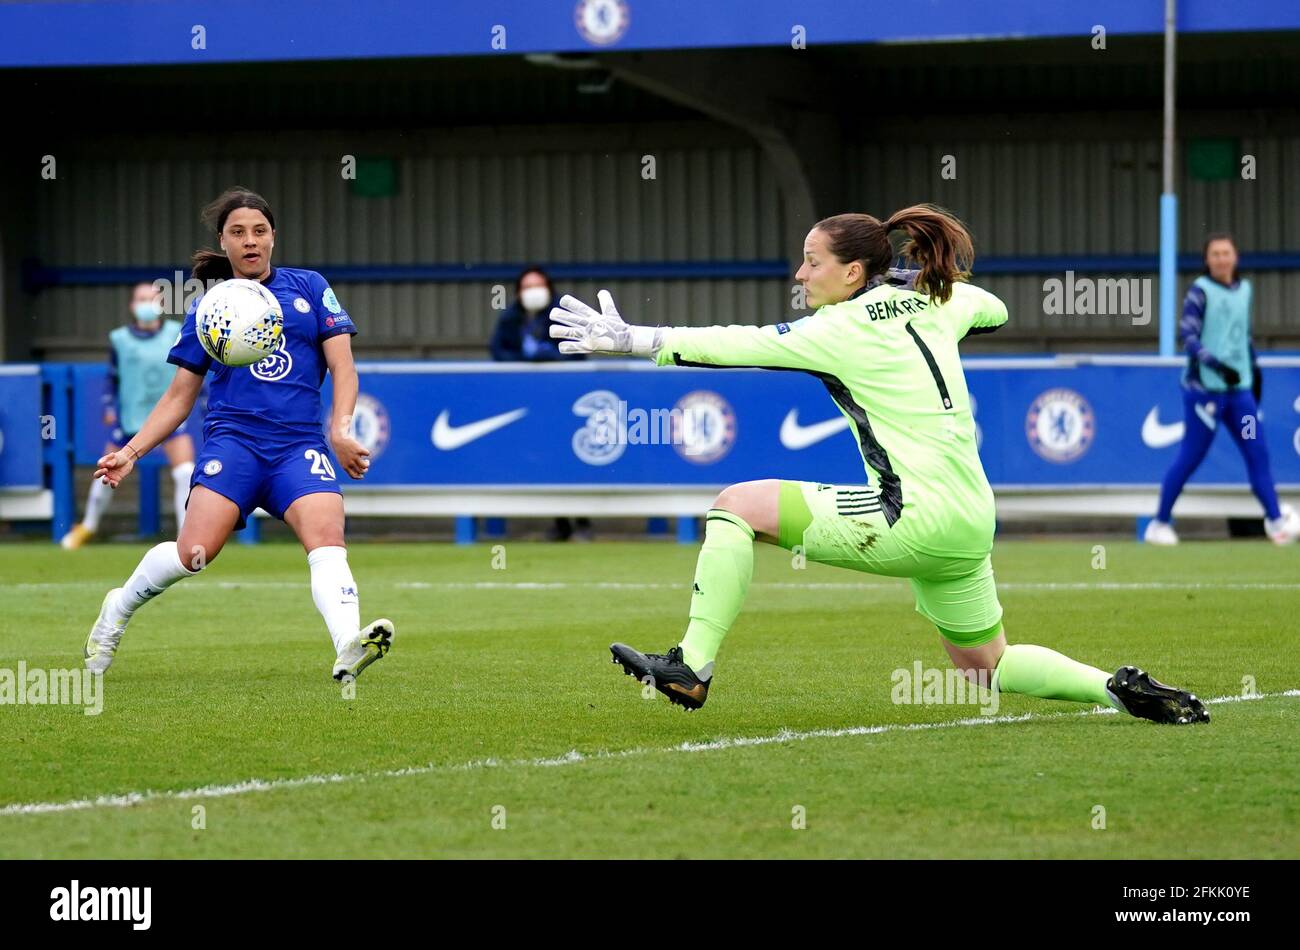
(498, 707)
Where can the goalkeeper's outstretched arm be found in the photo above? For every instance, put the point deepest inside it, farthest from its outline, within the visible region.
(806, 344)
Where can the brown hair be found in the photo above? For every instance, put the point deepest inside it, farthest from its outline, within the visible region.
(215, 265)
(1205, 252)
(936, 240)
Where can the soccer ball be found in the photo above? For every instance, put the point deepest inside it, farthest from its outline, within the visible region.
(239, 322)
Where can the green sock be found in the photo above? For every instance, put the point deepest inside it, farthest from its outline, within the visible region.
(721, 580)
(1038, 671)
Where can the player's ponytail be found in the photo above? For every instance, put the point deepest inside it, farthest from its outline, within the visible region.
(939, 243)
(214, 265)
(210, 265)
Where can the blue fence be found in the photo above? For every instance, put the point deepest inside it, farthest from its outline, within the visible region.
(1054, 423)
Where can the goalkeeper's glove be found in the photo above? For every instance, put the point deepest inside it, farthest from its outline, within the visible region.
(1230, 375)
(583, 330)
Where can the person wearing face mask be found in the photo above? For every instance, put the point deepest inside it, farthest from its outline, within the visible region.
(523, 331)
(523, 334)
(138, 375)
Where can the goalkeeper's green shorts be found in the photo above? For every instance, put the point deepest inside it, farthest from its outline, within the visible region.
(844, 526)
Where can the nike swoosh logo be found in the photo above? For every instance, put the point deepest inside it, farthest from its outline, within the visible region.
(449, 437)
(795, 437)
(1157, 434)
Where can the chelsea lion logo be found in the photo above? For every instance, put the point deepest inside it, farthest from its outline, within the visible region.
(1060, 425)
(370, 425)
(274, 367)
(602, 22)
(704, 427)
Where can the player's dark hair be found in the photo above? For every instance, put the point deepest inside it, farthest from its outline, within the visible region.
(214, 265)
(1205, 252)
(519, 281)
(936, 241)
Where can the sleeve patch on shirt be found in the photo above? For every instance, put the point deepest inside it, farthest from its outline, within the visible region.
(330, 301)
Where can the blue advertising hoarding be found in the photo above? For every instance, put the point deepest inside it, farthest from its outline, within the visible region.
(20, 428)
(1051, 423)
(123, 32)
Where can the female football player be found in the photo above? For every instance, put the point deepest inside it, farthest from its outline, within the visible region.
(262, 442)
(138, 374)
(885, 347)
(1221, 381)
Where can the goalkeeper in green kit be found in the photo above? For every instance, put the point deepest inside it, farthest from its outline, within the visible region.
(884, 344)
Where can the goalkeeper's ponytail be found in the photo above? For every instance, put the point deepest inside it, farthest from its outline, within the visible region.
(938, 242)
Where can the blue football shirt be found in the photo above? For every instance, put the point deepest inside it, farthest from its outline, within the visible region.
(279, 397)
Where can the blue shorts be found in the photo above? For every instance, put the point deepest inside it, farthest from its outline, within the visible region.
(270, 475)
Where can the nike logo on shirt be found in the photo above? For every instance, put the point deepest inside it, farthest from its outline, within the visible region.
(448, 437)
(795, 436)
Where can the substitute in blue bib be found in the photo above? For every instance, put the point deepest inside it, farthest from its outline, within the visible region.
(1221, 387)
(138, 375)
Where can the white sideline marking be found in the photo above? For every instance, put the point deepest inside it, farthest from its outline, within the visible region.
(571, 757)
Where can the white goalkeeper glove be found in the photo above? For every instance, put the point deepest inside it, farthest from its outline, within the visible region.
(586, 331)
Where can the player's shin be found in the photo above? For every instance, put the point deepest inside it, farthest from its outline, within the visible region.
(335, 594)
(160, 568)
(1038, 671)
(722, 576)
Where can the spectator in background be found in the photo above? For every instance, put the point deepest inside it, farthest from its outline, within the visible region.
(138, 375)
(523, 334)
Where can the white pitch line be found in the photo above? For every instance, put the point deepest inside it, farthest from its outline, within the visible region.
(571, 757)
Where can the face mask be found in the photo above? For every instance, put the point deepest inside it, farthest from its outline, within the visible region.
(534, 298)
(149, 310)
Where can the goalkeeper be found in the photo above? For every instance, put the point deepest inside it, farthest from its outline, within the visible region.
(884, 344)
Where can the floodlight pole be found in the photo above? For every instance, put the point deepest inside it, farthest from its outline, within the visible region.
(1168, 198)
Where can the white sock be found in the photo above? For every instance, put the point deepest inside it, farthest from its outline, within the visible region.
(159, 569)
(335, 594)
(96, 504)
(181, 490)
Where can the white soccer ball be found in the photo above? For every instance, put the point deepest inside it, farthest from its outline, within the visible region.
(239, 322)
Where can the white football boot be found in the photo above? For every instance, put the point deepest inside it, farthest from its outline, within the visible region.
(105, 635)
(1160, 532)
(373, 643)
(1285, 529)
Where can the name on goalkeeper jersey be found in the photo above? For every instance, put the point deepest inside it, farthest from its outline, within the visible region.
(888, 309)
